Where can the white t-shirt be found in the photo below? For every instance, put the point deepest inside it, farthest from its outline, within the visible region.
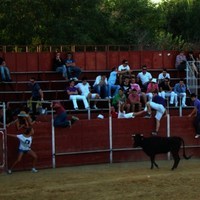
(85, 89)
(123, 68)
(25, 142)
(161, 77)
(144, 77)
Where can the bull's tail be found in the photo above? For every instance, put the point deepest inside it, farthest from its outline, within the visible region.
(184, 154)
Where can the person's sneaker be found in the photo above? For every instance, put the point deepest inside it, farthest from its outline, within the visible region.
(184, 105)
(34, 170)
(154, 133)
(95, 107)
(197, 136)
(75, 118)
(9, 171)
(148, 115)
(176, 104)
(75, 79)
(70, 124)
(76, 108)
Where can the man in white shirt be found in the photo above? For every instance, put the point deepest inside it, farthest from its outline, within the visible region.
(163, 75)
(124, 68)
(144, 77)
(84, 89)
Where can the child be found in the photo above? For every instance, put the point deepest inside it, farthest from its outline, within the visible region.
(24, 147)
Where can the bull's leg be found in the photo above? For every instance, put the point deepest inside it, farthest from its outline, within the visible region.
(153, 161)
(176, 159)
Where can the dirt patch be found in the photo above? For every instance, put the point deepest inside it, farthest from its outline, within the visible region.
(121, 181)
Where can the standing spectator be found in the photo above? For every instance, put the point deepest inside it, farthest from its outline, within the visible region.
(163, 75)
(25, 148)
(124, 68)
(37, 94)
(4, 70)
(72, 70)
(158, 104)
(144, 77)
(84, 89)
(60, 120)
(112, 80)
(152, 88)
(191, 61)
(59, 65)
(181, 61)
(180, 90)
(166, 91)
(101, 86)
(196, 113)
(134, 99)
(72, 91)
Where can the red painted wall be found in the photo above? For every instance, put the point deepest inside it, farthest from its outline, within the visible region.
(106, 60)
(88, 135)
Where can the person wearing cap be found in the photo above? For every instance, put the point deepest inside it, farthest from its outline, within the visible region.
(158, 104)
(151, 88)
(196, 112)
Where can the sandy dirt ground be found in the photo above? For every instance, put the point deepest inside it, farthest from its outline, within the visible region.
(120, 181)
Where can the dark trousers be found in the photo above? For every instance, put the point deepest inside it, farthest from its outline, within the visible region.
(197, 124)
(61, 120)
(34, 104)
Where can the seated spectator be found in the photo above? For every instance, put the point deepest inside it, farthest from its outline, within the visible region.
(164, 74)
(134, 99)
(120, 102)
(112, 80)
(101, 86)
(180, 90)
(5, 72)
(192, 63)
(60, 120)
(167, 91)
(152, 88)
(72, 91)
(124, 68)
(73, 72)
(84, 89)
(144, 77)
(136, 86)
(181, 61)
(59, 65)
(126, 86)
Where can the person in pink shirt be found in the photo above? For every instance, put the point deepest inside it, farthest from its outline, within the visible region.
(151, 88)
(134, 99)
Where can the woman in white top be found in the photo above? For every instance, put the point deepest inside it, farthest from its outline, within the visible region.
(24, 147)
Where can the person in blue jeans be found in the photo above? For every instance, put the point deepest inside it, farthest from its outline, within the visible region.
(73, 72)
(4, 70)
(60, 120)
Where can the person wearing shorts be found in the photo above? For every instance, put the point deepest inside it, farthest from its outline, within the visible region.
(158, 104)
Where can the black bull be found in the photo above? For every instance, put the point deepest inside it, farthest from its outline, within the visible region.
(158, 145)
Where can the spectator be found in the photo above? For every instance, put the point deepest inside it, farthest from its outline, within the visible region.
(25, 148)
(60, 120)
(152, 88)
(73, 71)
(59, 65)
(72, 91)
(101, 86)
(136, 86)
(192, 63)
(144, 77)
(112, 80)
(84, 89)
(126, 86)
(124, 68)
(196, 112)
(166, 91)
(134, 99)
(37, 94)
(180, 90)
(158, 104)
(120, 102)
(163, 75)
(5, 72)
(181, 61)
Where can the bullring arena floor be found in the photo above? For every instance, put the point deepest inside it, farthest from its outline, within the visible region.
(120, 181)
